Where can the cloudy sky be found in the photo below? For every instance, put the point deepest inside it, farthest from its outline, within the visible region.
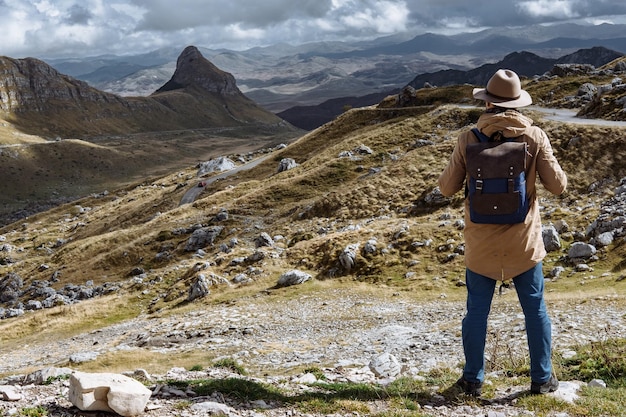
(74, 28)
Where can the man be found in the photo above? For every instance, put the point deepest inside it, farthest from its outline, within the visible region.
(503, 252)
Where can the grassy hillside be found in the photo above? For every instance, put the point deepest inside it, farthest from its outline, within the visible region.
(367, 177)
(38, 173)
(327, 202)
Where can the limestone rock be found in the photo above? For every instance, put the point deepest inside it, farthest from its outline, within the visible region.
(46, 374)
(215, 165)
(9, 393)
(108, 392)
(385, 366)
(348, 256)
(203, 237)
(551, 239)
(293, 277)
(213, 408)
(199, 289)
(581, 250)
(286, 164)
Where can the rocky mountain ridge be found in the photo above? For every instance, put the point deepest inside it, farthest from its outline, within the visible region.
(29, 84)
(193, 70)
(38, 100)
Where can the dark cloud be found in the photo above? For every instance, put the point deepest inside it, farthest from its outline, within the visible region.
(78, 15)
(162, 16)
(489, 13)
(79, 27)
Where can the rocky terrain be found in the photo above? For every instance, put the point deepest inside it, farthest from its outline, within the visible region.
(340, 332)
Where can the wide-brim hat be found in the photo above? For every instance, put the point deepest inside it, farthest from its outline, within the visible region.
(504, 89)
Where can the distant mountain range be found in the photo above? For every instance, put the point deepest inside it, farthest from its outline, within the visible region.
(279, 77)
(524, 63)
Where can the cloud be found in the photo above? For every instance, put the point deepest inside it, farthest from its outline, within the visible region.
(377, 17)
(551, 9)
(78, 15)
(48, 28)
(568, 9)
(162, 15)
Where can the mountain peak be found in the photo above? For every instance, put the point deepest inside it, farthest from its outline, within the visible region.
(195, 71)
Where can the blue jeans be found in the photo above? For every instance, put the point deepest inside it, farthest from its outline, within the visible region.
(529, 287)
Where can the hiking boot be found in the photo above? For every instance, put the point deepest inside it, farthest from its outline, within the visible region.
(470, 388)
(550, 386)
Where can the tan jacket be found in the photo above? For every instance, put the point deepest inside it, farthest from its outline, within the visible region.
(503, 251)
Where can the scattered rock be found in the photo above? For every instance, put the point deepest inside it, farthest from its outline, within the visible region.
(9, 393)
(203, 237)
(264, 239)
(347, 258)
(581, 250)
(385, 366)
(286, 164)
(294, 277)
(199, 288)
(215, 165)
(597, 383)
(551, 240)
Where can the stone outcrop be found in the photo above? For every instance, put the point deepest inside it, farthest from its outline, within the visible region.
(31, 85)
(294, 277)
(194, 70)
(220, 164)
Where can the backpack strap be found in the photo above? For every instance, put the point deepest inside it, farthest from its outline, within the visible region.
(480, 135)
(484, 138)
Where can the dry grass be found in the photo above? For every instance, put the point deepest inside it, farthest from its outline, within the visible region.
(320, 207)
(65, 321)
(325, 190)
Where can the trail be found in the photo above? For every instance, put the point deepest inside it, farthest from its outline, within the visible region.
(569, 116)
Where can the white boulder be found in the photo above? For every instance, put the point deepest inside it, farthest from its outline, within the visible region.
(108, 392)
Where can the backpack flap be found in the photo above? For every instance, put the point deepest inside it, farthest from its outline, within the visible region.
(493, 159)
(496, 182)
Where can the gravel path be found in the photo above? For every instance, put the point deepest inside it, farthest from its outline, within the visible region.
(341, 334)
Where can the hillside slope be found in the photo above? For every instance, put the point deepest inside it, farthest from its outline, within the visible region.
(369, 176)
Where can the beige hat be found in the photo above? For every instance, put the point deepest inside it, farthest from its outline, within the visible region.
(504, 90)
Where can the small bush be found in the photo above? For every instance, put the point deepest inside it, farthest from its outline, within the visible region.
(231, 364)
(38, 411)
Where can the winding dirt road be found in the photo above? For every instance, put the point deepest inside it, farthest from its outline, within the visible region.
(194, 192)
(569, 116)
